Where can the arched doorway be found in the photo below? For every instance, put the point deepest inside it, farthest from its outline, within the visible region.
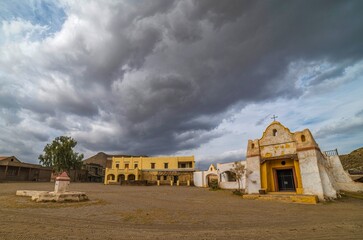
(211, 178)
(110, 177)
(121, 178)
(131, 177)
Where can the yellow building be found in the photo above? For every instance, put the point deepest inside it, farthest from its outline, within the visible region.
(154, 170)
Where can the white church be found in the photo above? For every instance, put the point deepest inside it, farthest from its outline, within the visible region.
(287, 162)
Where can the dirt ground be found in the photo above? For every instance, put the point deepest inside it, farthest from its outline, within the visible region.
(138, 212)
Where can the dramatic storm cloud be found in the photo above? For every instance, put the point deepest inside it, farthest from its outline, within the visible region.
(178, 77)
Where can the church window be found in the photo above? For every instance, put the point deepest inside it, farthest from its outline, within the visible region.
(303, 138)
(253, 146)
(274, 132)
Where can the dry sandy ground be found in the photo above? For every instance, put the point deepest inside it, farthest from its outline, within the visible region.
(125, 212)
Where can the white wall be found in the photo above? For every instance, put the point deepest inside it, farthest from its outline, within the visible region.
(253, 181)
(223, 181)
(310, 174)
(198, 179)
(341, 178)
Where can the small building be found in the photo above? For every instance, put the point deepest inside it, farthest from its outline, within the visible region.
(95, 172)
(224, 174)
(166, 170)
(12, 169)
(292, 162)
(204, 178)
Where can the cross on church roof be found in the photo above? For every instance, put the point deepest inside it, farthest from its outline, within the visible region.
(274, 117)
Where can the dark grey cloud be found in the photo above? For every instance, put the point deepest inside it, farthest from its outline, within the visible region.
(157, 77)
(344, 128)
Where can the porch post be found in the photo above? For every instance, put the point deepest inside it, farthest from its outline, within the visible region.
(6, 171)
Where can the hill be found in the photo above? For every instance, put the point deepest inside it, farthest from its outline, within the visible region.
(353, 161)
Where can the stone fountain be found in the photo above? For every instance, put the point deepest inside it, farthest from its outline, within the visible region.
(60, 193)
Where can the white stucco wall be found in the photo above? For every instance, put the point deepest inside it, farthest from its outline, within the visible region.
(198, 179)
(327, 183)
(253, 181)
(310, 174)
(223, 181)
(341, 177)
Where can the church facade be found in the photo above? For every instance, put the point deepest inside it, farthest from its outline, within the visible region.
(292, 162)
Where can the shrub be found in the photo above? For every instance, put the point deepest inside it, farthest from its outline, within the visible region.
(213, 185)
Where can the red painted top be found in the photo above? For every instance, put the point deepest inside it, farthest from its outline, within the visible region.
(63, 177)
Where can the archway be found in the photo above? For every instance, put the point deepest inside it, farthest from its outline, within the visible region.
(110, 177)
(120, 178)
(228, 176)
(211, 178)
(131, 177)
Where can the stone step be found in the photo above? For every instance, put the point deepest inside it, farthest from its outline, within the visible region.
(293, 198)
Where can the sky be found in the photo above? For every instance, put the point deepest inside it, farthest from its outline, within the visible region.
(167, 77)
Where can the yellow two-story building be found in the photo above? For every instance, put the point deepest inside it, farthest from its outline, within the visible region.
(161, 170)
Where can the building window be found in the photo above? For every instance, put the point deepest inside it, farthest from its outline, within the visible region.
(117, 165)
(126, 165)
(253, 146)
(136, 165)
(303, 138)
(164, 177)
(158, 177)
(166, 165)
(274, 132)
(185, 165)
(152, 165)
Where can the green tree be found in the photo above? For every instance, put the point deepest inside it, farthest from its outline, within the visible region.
(59, 155)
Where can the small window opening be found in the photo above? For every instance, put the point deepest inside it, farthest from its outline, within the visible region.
(253, 145)
(152, 165)
(164, 177)
(166, 165)
(274, 132)
(283, 163)
(303, 139)
(117, 165)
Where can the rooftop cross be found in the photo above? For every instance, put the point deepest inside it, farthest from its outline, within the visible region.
(274, 117)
